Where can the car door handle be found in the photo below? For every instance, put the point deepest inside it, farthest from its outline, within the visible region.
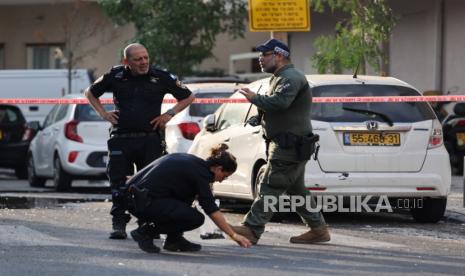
(227, 140)
(256, 132)
(56, 128)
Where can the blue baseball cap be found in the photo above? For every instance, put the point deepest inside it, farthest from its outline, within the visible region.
(274, 45)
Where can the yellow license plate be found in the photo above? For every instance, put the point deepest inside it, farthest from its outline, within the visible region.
(371, 139)
(1, 135)
(460, 138)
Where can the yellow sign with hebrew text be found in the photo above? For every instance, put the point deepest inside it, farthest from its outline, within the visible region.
(279, 15)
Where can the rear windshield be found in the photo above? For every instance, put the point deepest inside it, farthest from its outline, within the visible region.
(85, 112)
(401, 112)
(202, 110)
(10, 115)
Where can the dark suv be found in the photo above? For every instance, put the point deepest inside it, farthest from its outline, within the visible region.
(15, 136)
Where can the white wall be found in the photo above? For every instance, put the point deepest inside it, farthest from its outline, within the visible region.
(413, 46)
(454, 71)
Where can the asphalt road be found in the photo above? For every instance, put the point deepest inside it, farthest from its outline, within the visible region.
(66, 234)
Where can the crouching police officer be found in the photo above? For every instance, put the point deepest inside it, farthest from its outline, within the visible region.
(161, 195)
(138, 90)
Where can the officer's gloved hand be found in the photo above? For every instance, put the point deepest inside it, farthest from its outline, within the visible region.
(254, 121)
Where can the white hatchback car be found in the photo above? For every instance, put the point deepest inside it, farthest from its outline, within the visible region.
(181, 130)
(392, 149)
(71, 144)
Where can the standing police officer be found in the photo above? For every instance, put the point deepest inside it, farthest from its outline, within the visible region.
(286, 123)
(138, 90)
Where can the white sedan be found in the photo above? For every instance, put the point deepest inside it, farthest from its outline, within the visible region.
(182, 128)
(71, 144)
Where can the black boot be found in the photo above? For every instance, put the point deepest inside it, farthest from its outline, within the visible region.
(119, 228)
(144, 239)
(179, 243)
(119, 231)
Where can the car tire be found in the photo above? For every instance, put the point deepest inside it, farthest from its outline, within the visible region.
(61, 178)
(33, 179)
(277, 217)
(21, 172)
(432, 211)
(257, 180)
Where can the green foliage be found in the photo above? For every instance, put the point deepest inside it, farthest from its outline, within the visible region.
(359, 36)
(179, 34)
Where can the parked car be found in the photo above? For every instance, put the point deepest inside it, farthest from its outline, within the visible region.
(392, 149)
(181, 130)
(15, 136)
(224, 79)
(70, 145)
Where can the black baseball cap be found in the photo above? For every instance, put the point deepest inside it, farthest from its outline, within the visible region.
(274, 45)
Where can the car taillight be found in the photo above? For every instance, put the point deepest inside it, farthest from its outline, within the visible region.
(435, 139)
(189, 130)
(28, 133)
(71, 131)
(460, 123)
(72, 156)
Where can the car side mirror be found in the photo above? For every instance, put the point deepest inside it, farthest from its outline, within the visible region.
(209, 122)
(35, 125)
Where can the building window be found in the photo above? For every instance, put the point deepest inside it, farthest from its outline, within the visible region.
(43, 56)
(2, 56)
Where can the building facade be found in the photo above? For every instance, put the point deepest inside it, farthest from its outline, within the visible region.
(425, 48)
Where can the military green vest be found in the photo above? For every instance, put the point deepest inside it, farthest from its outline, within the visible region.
(286, 107)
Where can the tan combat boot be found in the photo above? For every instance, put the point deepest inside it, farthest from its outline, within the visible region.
(320, 234)
(246, 232)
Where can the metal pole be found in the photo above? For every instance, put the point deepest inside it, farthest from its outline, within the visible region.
(70, 68)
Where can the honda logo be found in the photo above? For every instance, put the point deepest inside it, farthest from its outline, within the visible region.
(372, 125)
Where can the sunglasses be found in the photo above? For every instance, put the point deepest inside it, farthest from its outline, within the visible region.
(262, 55)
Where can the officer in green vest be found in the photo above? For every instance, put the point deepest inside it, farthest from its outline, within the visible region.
(285, 118)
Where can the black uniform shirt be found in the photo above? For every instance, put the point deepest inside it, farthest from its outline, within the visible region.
(138, 99)
(180, 176)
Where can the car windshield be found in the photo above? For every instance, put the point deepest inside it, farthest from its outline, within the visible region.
(401, 112)
(10, 115)
(85, 112)
(201, 109)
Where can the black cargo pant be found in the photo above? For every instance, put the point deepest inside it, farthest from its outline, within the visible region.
(172, 217)
(124, 152)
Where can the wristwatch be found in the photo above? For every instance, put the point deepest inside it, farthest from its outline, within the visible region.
(171, 112)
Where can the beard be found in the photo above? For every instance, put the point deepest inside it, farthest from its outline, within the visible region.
(269, 69)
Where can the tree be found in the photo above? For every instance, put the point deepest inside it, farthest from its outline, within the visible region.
(361, 36)
(179, 34)
(77, 26)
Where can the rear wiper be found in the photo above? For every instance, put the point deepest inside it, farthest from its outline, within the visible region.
(371, 114)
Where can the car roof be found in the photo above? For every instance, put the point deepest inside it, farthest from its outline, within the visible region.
(81, 96)
(331, 79)
(10, 106)
(225, 79)
(213, 87)
(326, 79)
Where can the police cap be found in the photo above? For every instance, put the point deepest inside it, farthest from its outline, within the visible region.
(274, 45)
